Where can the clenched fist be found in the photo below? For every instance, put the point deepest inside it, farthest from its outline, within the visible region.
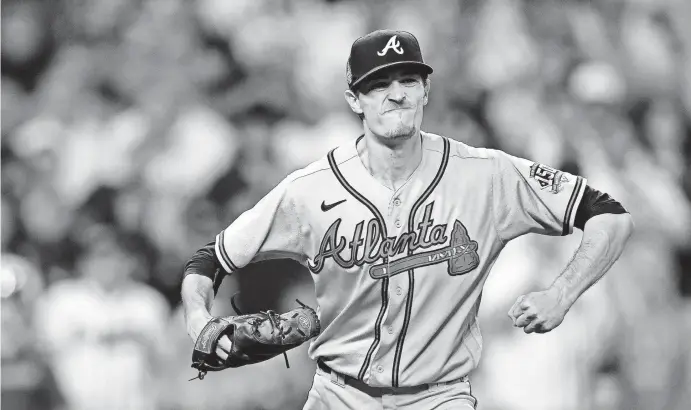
(538, 312)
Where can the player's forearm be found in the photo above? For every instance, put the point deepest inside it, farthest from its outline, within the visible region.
(604, 238)
(198, 287)
(197, 299)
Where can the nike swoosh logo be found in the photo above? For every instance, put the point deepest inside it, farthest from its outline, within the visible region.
(326, 207)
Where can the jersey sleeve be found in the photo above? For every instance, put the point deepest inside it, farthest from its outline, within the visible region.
(272, 229)
(529, 197)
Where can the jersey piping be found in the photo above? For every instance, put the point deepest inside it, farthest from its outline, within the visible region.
(411, 276)
(385, 281)
(220, 249)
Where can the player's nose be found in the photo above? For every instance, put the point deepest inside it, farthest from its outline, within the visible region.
(396, 92)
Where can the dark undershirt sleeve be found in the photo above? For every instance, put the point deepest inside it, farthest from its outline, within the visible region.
(204, 262)
(595, 203)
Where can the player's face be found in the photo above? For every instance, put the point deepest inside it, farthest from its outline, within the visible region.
(392, 103)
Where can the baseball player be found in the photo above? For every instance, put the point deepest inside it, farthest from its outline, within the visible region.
(399, 230)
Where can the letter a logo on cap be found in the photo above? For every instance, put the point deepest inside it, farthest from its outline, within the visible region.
(392, 44)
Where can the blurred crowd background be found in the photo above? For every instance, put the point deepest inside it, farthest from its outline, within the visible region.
(135, 130)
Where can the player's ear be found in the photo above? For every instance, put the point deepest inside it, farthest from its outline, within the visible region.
(353, 101)
(428, 82)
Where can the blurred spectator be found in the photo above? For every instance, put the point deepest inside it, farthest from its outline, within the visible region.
(103, 331)
(27, 380)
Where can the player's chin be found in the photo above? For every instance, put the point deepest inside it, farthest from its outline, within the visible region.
(401, 132)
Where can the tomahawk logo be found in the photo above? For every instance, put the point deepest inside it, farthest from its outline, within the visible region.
(392, 44)
(461, 254)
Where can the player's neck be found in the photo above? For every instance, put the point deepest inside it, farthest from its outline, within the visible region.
(391, 165)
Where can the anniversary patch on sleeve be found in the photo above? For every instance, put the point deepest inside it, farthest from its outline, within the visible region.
(547, 177)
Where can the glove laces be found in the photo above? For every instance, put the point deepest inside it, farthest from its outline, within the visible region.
(274, 318)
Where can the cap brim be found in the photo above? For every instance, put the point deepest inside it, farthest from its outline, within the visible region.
(423, 66)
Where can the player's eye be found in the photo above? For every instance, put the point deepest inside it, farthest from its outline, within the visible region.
(409, 80)
(379, 85)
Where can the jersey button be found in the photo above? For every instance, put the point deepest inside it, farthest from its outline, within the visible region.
(399, 291)
(390, 330)
(398, 223)
(380, 369)
(397, 202)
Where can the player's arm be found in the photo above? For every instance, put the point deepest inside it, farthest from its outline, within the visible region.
(271, 229)
(199, 286)
(197, 298)
(606, 228)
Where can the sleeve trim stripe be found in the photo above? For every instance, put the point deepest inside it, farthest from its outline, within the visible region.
(225, 254)
(218, 247)
(224, 259)
(570, 215)
(576, 204)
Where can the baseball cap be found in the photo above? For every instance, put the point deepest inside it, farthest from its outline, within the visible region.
(381, 49)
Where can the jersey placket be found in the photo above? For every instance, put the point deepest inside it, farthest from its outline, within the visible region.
(380, 369)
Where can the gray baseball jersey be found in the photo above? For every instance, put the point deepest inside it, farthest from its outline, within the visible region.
(399, 274)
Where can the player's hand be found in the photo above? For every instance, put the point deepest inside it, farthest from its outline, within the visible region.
(538, 312)
(223, 347)
(195, 327)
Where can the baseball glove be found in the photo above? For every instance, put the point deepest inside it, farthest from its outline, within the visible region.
(255, 337)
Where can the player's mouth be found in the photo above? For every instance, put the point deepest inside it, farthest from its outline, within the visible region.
(397, 109)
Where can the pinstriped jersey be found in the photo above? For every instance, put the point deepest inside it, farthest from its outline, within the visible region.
(398, 274)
